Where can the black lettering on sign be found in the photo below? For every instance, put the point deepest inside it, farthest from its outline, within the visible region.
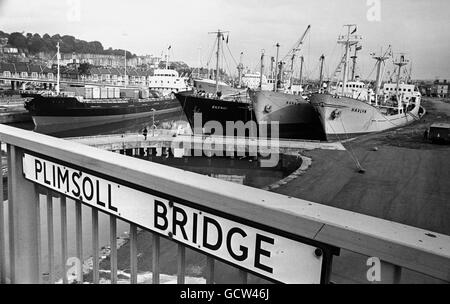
(110, 206)
(259, 252)
(206, 222)
(99, 202)
(63, 178)
(87, 180)
(37, 167)
(45, 175)
(194, 229)
(244, 250)
(54, 176)
(160, 215)
(180, 223)
(75, 182)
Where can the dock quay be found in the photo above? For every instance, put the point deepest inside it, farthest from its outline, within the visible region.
(12, 110)
(162, 140)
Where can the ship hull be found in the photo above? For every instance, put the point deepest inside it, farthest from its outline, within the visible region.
(211, 109)
(296, 117)
(345, 117)
(57, 114)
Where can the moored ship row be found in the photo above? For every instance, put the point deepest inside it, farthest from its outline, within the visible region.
(334, 112)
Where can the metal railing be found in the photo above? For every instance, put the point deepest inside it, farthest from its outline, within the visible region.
(298, 221)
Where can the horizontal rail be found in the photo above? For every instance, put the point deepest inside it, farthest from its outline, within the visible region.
(110, 142)
(405, 246)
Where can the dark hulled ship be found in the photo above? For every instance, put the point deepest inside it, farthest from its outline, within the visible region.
(214, 109)
(52, 114)
(83, 107)
(217, 102)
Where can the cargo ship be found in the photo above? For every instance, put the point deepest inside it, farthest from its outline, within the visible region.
(81, 107)
(216, 102)
(67, 111)
(286, 103)
(351, 109)
(296, 117)
(214, 109)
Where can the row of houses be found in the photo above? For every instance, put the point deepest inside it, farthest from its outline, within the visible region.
(439, 88)
(115, 76)
(113, 61)
(25, 70)
(5, 48)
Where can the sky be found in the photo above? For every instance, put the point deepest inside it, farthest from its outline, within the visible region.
(417, 28)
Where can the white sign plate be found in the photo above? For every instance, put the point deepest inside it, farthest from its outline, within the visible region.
(259, 251)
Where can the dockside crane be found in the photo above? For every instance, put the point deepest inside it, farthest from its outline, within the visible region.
(293, 52)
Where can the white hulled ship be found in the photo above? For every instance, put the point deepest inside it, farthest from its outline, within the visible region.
(350, 109)
(167, 81)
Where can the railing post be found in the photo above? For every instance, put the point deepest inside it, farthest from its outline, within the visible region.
(113, 247)
(390, 273)
(50, 238)
(64, 251)
(2, 226)
(209, 270)
(133, 254)
(23, 222)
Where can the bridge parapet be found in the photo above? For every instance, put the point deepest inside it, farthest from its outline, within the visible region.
(273, 236)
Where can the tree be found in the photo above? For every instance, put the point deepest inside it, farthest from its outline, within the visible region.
(34, 43)
(84, 69)
(95, 47)
(18, 40)
(37, 44)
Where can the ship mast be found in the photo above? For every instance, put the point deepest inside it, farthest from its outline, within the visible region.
(272, 59)
(402, 62)
(261, 70)
(297, 47)
(354, 57)
(167, 57)
(219, 34)
(240, 69)
(348, 41)
(275, 87)
(292, 71)
(58, 57)
(380, 65)
(322, 59)
(301, 70)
